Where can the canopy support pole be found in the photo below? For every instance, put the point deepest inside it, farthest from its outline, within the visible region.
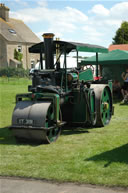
(41, 59)
(77, 57)
(97, 73)
(65, 63)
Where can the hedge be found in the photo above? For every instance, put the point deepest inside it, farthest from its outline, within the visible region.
(13, 72)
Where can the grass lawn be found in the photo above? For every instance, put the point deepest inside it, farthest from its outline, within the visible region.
(96, 156)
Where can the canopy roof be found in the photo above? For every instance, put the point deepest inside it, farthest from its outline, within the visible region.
(69, 46)
(113, 57)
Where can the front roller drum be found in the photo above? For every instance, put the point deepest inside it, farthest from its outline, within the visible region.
(103, 104)
(34, 121)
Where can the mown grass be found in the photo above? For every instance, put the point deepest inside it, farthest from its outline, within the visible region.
(96, 156)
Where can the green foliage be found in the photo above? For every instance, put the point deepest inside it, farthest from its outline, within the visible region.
(96, 156)
(18, 55)
(14, 72)
(121, 36)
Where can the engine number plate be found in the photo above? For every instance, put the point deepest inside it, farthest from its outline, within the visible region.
(25, 121)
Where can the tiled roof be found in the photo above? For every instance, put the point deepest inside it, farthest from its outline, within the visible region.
(4, 31)
(119, 47)
(22, 32)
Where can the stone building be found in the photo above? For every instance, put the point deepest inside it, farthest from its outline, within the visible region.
(14, 34)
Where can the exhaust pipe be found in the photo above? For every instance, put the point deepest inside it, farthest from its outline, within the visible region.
(48, 50)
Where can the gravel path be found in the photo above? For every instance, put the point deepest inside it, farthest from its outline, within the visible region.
(20, 185)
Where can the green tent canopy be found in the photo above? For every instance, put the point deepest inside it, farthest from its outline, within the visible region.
(113, 57)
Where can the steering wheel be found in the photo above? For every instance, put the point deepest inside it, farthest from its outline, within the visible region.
(91, 67)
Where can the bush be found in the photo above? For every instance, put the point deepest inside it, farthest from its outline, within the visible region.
(14, 72)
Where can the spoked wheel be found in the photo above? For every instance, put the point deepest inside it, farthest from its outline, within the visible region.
(103, 104)
(52, 134)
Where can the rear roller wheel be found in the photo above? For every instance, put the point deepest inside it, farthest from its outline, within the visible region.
(103, 104)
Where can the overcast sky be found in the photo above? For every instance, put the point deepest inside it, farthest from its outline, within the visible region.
(93, 21)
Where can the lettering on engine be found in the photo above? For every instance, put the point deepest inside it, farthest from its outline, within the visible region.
(25, 121)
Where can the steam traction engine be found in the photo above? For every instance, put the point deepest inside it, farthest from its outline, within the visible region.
(60, 95)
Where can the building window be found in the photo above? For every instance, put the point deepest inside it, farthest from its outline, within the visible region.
(32, 63)
(19, 48)
(12, 31)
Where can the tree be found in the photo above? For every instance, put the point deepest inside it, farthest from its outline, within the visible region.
(18, 56)
(121, 36)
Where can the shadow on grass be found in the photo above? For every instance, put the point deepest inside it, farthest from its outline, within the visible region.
(6, 138)
(119, 101)
(74, 130)
(119, 154)
(116, 101)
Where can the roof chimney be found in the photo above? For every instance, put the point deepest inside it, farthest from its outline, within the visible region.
(4, 12)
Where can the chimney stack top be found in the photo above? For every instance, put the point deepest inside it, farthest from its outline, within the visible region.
(4, 12)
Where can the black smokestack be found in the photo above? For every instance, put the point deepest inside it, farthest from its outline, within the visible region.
(48, 50)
